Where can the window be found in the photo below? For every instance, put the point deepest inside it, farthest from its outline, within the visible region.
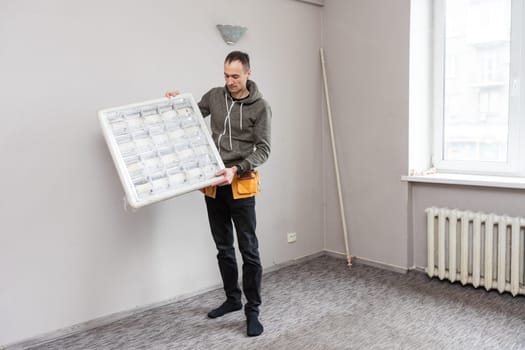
(479, 103)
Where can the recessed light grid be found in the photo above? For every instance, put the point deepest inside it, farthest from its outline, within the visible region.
(161, 148)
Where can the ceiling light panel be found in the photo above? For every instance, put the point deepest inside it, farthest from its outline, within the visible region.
(161, 148)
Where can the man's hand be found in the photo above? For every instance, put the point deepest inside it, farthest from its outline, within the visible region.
(228, 174)
(171, 93)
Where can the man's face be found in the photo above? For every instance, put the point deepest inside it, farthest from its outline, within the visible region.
(235, 77)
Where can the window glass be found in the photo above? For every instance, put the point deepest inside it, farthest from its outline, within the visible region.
(476, 80)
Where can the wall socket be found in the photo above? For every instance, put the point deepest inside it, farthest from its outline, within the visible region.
(292, 237)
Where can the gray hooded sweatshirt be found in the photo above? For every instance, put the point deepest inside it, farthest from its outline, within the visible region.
(240, 128)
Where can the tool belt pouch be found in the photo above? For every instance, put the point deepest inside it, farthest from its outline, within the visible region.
(210, 191)
(246, 185)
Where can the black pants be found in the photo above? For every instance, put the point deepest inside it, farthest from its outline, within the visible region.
(221, 211)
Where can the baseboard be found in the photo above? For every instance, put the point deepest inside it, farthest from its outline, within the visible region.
(420, 269)
(99, 322)
(295, 261)
(105, 320)
(368, 262)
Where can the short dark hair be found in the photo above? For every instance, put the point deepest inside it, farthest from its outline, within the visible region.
(239, 56)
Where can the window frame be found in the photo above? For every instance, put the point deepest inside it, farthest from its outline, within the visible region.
(515, 165)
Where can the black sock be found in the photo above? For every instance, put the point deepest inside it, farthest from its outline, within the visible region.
(253, 326)
(225, 308)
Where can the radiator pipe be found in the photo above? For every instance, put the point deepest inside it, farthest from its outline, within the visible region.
(336, 164)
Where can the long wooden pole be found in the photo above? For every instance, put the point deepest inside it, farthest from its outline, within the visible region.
(336, 164)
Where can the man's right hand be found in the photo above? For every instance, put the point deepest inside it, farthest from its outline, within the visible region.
(228, 174)
(171, 93)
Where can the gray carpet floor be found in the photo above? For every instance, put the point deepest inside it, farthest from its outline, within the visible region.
(320, 304)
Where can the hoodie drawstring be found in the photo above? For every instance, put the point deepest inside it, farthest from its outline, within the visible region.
(241, 115)
(227, 120)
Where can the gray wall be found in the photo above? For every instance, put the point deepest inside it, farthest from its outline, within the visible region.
(366, 44)
(421, 196)
(69, 252)
(367, 52)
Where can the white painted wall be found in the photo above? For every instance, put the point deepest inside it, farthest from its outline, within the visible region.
(69, 253)
(366, 44)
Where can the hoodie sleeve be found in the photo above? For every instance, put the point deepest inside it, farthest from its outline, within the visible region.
(204, 104)
(262, 139)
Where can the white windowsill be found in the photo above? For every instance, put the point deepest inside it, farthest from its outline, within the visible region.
(468, 180)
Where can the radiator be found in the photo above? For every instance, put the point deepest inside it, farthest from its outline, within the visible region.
(476, 248)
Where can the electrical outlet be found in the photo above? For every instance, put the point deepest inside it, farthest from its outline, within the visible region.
(292, 237)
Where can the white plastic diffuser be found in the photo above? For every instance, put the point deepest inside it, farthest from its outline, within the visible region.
(231, 33)
(161, 148)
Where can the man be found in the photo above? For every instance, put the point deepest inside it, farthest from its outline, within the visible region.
(240, 125)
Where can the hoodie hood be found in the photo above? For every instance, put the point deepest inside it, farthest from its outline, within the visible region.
(254, 95)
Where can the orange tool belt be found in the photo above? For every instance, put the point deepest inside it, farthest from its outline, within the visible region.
(244, 186)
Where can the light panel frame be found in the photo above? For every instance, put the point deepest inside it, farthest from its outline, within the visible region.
(161, 148)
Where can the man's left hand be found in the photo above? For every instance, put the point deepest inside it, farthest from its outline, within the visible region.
(228, 174)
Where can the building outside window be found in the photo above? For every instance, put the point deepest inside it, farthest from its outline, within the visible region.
(479, 105)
